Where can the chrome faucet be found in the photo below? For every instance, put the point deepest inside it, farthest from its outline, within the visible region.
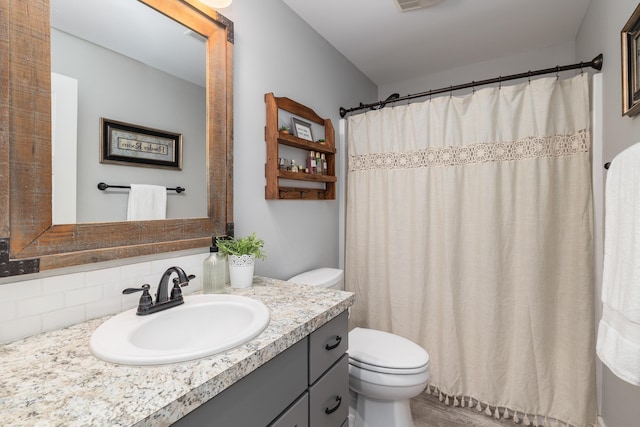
(163, 299)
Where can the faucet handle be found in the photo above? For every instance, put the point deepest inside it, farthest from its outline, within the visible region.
(144, 288)
(145, 299)
(176, 292)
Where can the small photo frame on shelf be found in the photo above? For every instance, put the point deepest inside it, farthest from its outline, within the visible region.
(630, 44)
(301, 129)
(131, 145)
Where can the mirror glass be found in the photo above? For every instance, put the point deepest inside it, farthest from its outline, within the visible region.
(123, 61)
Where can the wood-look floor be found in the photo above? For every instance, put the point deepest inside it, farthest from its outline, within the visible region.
(428, 411)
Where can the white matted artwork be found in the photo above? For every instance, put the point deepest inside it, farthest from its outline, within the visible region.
(301, 129)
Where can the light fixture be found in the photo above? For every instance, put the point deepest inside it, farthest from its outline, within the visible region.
(217, 4)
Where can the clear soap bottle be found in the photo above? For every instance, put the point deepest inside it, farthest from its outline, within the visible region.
(213, 271)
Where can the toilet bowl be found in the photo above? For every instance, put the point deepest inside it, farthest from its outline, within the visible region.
(385, 370)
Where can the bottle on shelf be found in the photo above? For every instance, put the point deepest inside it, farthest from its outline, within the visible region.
(282, 163)
(311, 163)
(213, 270)
(318, 163)
(324, 164)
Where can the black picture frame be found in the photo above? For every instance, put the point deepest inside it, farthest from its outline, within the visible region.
(132, 145)
(630, 47)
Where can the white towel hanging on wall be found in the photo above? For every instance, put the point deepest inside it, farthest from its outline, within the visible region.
(147, 202)
(618, 344)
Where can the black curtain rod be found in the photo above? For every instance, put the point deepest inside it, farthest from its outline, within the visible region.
(103, 186)
(596, 64)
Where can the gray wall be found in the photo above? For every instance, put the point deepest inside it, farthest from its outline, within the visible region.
(146, 97)
(532, 60)
(600, 33)
(275, 51)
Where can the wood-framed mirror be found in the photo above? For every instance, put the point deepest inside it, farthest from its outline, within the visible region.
(29, 242)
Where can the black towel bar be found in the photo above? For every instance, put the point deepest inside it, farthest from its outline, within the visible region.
(103, 186)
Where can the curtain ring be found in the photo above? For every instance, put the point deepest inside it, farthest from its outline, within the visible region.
(473, 87)
(429, 94)
(451, 91)
(499, 82)
(581, 68)
(557, 73)
(529, 76)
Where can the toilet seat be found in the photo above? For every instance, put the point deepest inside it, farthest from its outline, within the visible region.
(386, 370)
(382, 352)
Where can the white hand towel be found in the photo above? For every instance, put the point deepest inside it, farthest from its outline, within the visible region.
(147, 202)
(618, 343)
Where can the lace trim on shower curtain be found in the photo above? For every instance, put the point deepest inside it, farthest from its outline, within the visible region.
(497, 412)
(526, 148)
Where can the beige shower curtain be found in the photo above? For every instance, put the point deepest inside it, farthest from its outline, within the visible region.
(469, 231)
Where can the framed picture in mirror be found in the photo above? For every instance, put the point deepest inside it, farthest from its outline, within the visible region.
(630, 44)
(127, 144)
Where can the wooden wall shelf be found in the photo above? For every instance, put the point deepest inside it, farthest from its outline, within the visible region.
(274, 137)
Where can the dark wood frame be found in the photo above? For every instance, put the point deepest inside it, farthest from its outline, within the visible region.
(273, 138)
(629, 38)
(25, 148)
(108, 154)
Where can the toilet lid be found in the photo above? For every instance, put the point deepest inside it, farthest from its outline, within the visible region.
(369, 348)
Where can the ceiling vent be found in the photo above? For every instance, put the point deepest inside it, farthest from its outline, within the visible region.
(407, 5)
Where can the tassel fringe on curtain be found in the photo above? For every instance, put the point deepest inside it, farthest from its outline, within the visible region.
(469, 231)
(518, 417)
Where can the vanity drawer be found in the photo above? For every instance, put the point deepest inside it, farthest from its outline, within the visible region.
(329, 397)
(327, 344)
(296, 416)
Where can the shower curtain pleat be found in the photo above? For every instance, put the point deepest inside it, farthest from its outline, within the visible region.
(469, 231)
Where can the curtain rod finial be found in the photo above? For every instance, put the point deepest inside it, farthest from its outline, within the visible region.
(596, 63)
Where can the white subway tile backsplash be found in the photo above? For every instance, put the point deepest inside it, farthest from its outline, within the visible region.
(67, 282)
(128, 272)
(20, 328)
(131, 300)
(99, 277)
(82, 296)
(62, 318)
(21, 290)
(103, 307)
(33, 306)
(7, 310)
(39, 305)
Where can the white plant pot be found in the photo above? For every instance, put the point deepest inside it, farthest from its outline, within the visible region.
(241, 270)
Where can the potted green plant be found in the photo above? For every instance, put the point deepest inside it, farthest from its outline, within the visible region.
(242, 253)
(283, 129)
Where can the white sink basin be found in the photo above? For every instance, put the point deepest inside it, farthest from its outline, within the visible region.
(202, 326)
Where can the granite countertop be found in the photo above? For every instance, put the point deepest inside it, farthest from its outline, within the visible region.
(52, 379)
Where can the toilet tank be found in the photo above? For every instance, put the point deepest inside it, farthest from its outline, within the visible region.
(332, 278)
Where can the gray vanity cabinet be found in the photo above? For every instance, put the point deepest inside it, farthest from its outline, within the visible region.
(307, 385)
(329, 374)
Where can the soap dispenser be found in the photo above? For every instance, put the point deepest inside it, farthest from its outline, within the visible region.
(213, 271)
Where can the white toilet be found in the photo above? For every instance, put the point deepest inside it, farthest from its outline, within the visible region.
(385, 370)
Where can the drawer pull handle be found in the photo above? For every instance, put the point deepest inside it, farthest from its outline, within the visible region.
(335, 408)
(331, 347)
